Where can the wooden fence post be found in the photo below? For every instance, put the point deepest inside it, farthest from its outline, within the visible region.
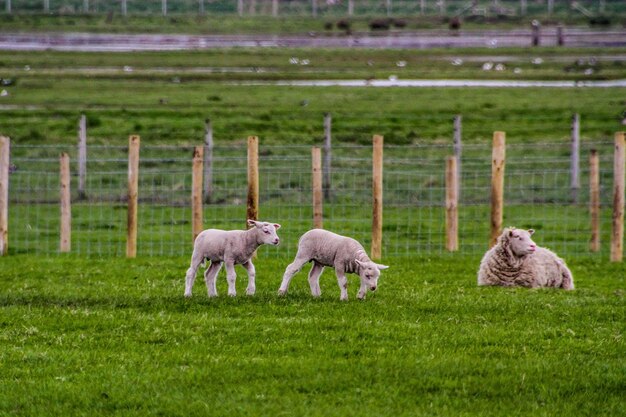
(164, 7)
(560, 39)
(458, 149)
(314, 8)
(575, 158)
(275, 8)
(377, 191)
(316, 158)
(497, 185)
(617, 232)
(536, 33)
(327, 155)
(201, 7)
(208, 161)
(124, 8)
(65, 244)
(253, 178)
(452, 205)
(196, 192)
(594, 203)
(82, 157)
(8, 6)
(240, 7)
(350, 7)
(5, 149)
(133, 184)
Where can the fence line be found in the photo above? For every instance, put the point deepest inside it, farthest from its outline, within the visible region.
(452, 203)
(497, 185)
(5, 146)
(196, 191)
(318, 201)
(594, 200)
(253, 178)
(535, 194)
(133, 191)
(377, 194)
(314, 8)
(617, 235)
(65, 244)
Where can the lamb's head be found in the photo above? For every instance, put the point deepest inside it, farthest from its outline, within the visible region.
(369, 272)
(266, 232)
(519, 241)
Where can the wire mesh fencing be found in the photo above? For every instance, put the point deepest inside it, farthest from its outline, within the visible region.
(538, 195)
(318, 7)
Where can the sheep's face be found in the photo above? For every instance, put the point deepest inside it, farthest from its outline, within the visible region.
(521, 242)
(369, 272)
(267, 231)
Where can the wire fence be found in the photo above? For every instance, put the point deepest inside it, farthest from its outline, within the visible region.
(538, 195)
(587, 8)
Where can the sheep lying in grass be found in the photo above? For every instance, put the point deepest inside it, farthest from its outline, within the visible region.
(516, 260)
(232, 247)
(344, 254)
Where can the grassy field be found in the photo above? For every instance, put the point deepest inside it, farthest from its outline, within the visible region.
(165, 97)
(294, 19)
(116, 337)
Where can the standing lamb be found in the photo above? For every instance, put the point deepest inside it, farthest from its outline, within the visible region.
(516, 260)
(232, 247)
(344, 254)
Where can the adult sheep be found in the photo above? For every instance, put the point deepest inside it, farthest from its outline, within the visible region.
(343, 253)
(516, 260)
(230, 247)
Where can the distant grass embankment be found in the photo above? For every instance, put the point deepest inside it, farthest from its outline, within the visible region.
(298, 22)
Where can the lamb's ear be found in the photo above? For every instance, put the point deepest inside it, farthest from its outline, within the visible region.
(277, 226)
(359, 263)
(381, 267)
(251, 223)
(531, 231)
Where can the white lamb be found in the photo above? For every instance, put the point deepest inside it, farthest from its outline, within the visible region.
(344, 254)
(232, 247)
(516, 260)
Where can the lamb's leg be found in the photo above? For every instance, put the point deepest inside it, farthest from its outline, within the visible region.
(362, 291)
(291, 270)
(210, 277)
(314, 279)
(231, 277)
(343, 282)
(251, 277)
(196, 260)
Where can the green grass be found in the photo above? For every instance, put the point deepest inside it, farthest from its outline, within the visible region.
(45, 102)
(116, 337)
(295, 19)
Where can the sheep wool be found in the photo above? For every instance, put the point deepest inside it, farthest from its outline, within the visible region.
(516, 260)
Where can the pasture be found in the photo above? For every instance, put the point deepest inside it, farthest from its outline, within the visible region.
(165, 97)
(116, 337)
(100, 335)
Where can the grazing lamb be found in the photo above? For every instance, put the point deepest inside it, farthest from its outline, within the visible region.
(232, 247)
(516, 260)
(344, 254)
